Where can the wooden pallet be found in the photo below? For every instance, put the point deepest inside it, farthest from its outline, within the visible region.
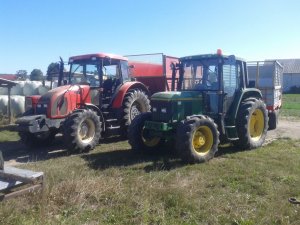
(15, 182)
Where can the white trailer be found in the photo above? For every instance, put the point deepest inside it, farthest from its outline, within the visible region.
(267, 76)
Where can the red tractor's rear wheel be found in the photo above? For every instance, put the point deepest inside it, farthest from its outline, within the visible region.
(135, 103)
(82, 131)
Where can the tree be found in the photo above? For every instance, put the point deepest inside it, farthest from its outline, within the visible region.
(53, 70)
(21, 74)
(36, 74)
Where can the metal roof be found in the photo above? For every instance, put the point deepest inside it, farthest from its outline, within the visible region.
(290, 65)
(7, 83)
(98, 55)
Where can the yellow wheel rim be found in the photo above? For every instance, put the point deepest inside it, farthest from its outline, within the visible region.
(203, 140)
(257, 125)
(150, 141)
(86, 131)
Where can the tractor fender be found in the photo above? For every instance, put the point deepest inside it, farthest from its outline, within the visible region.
(96, 109)
(119, 97)
(249, 93)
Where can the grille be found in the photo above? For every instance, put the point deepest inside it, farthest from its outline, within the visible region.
(158, 115)
(41, 110)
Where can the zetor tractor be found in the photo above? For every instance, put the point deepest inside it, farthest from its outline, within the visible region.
(98, 97)
(212, 103)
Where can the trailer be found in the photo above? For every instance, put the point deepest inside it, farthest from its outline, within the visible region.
(153, 70)
(267, 76)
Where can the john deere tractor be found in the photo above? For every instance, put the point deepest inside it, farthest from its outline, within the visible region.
(211, 103)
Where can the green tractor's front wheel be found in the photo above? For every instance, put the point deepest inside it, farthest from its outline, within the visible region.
(140, 138)
(197, 139)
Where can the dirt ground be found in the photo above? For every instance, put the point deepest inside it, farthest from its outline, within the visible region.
(285, 129)
(16, 153)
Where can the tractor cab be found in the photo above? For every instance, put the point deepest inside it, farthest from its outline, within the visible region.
(104, 72)
(216, 76)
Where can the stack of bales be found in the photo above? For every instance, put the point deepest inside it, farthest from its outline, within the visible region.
(18, 94)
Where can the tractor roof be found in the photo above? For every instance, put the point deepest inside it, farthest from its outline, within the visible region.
(98, 55)
(207, 56)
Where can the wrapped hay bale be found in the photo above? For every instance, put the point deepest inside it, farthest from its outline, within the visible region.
(43, 89)
(3, 91)
(3, 104)
(17, 105)
(30, 88)
(18, 89)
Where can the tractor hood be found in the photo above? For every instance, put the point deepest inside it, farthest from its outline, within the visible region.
(177, 96)
(60, 101)
(172, 107)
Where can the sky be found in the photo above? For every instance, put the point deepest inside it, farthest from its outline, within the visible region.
(34, 33)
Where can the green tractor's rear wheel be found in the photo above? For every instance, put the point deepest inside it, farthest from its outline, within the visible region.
(82, 131)
(197, 139)
(140, 138)
(252, 124)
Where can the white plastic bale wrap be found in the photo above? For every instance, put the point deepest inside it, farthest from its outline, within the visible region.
(18, 89)
(43, 90)
(31, 88)
(3, 91)
(17, 105)
(3, 104)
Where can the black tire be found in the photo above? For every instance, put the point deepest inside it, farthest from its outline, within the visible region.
(140, 139)
(37, 139)
(197, 139)
(82, 131)
(135, 103)
(273, 119)
(251, 135)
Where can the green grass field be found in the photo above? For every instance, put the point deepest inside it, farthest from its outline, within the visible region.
(291, 106)
(112, 185)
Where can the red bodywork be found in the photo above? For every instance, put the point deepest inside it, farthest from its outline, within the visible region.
(61, 101)
(156, 76)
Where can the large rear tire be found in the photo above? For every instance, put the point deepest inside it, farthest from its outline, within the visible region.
(135, 103)
(82, 131)
(252, 124)
(197, 139)
(141, 139)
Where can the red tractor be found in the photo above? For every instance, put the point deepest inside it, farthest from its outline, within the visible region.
(98, 97)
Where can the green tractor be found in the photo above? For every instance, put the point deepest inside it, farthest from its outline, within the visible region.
(211, 102)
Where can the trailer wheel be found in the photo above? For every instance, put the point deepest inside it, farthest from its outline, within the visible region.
(135, 103)
(197, 139)
(252, 124)
(273, 119)
(82, 131)
(141, 139)
(37, 139)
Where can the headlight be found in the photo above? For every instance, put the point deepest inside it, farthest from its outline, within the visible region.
(164, 110)
(154, 109)
(39, 105)
(28, 104)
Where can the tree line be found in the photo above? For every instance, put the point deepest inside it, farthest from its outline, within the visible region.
(37, 74)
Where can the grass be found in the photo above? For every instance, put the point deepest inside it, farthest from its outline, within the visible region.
(291, 106)
(111, 185)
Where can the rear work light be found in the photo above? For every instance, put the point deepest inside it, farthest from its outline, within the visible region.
(219, 52)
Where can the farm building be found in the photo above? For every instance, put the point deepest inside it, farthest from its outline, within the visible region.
(8, 76)
(291, 73)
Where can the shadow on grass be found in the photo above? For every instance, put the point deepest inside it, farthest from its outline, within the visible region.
(160, 159)
(15, 150)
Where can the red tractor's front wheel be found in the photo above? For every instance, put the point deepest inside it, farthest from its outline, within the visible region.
(82, 131)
